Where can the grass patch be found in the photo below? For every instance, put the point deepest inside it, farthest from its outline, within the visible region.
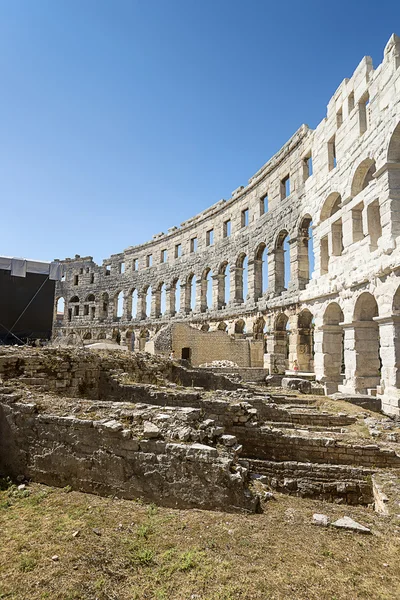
(145, 552)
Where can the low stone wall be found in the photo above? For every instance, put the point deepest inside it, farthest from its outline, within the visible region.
(327, 482)
(104, 458)
(246, 374)
(272, 444)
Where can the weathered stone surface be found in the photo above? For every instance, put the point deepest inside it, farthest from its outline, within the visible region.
(321, 520)
(351, 525)
(150, 430)
(295, 383)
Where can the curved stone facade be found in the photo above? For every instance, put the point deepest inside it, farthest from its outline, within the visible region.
(339, 183)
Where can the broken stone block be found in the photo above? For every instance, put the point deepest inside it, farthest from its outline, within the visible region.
(351, 525)
(320, 519)
(228, 440)
(150, 430)
(296, 383)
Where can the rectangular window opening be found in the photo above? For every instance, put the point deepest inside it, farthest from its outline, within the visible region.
(76, 279)
(178, 250)
(263, 205)
(210, 237)
(122, 268)
(135, 263)
(149, 260)
(350, 102)
(339, 118)
(92, 278)
(193, 244)
(307, 167)
(245, 217)
(363, 113)
(332, 154)
(227, 228)
(163, 257)
(285, 187)
(86, 310)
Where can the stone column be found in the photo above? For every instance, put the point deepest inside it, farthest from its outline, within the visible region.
(389, 333)
(171, 298)
(328, 356)
(361, 342)
(155, 303)
(299, 262)
(215, 291)
(200, 306)
(127, 312)
(238, 286)
(141, 303)
(276, 266)
(251, 273)
(184, 308)
(257, 286)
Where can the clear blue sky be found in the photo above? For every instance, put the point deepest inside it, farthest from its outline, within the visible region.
(120, 119)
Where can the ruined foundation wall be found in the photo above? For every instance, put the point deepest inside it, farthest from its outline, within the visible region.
(93, 457)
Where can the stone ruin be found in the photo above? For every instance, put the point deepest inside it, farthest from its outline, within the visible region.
(133, 425)
(232, 289)
(234, 283)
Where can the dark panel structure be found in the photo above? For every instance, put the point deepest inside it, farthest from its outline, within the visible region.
(26, 307)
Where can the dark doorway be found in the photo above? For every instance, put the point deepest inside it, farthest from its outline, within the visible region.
(186, 353)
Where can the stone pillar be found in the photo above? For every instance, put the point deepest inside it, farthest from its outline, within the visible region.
(232, 286)
(238, 285)
(299, 262)
(141, 303)
(127, 312)
(276, 266)
(361, 343)
(328, 356)
(292, 338)
(217, 281)
(186, 288)
(276, 343)
(257, 282)
(171, 298)
(251, 274)
(200, 306)
(155, 303)
(389, 333)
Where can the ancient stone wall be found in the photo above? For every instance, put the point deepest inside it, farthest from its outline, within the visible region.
(337, 185)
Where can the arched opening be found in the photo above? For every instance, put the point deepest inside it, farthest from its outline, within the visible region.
(133, 302)
(363, 369)
(176, 291)
(222, 326)
(331, 206)
(282, 261)
(87, 336)
(240, 328)
(190, 303)
(241, 278)
(363, 176)
(205, 327)
(260, 271)
(118, 305)
(161, 300)
(90, 298)
(89, 308)
(101, 336)
(60, 309)
(147, 311)
(394, 146)
(206, 290)
(305, 342)
(305, 249)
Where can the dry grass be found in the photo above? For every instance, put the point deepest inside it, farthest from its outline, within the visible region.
(144, 552)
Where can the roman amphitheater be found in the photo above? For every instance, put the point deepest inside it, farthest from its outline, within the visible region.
(299, 268)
